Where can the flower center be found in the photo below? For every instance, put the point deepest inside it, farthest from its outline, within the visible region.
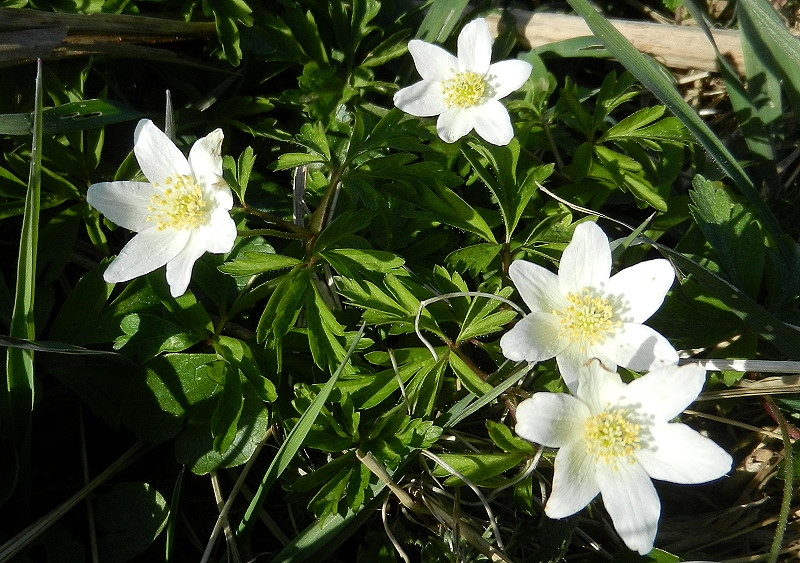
(612, 435)
(180, 205)
(463, 90)
(588, 318)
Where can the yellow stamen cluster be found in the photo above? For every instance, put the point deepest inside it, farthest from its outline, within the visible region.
(180, 205)
(587, 319)
(612, 435)
(463, 90)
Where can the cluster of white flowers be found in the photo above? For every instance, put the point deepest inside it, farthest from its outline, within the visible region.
(612, 437)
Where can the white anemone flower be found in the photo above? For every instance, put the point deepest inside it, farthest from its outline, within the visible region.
(464, 91)
(614, 438)
(180, 214)
(584, 312)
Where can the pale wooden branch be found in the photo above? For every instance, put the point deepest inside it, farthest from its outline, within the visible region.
(675, 46)
(26, 35)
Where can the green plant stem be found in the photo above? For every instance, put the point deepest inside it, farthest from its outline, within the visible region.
(269, 217)
(788, 481)
(272, 233)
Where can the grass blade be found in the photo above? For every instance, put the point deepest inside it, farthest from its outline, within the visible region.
(441, 19)
(19, 361)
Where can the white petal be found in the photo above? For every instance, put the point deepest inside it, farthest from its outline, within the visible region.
(574, 481)
(218, 235)
(475, 47)
(179, 269)
(569, 363)
(639, 347)
(123, 203)
(678, 454)
(221, 194)
(599, 386)
(158, 157)
(538, 287)
(586, 261)
(145, 252)
(507, 76)
(666, 391)
(643, 287)
(632, 502)
(534, 338)
(205, 158)
(551, 419)
(432, 62)
(454, 124)
(422, 99)
(493, 123)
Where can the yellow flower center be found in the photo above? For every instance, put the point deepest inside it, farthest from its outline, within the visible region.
(612, 435)
(180, 205)
(463, 90)
(588, 318)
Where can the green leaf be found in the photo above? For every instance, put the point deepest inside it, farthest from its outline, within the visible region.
(295, 159)
(475, 258)
(239, 354)
(471, 380)
(313, 137)
(284, 305)
(354, 263)
(423, 389)
(479, 468)
(732, 232)
(253, 263)
(503, 438)
(324, 332)
(145, 336)
(511, 195)
(447, 206)
(228, 14)
(481, 318)
(622, 171)
(130, 517)
(229, 407)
